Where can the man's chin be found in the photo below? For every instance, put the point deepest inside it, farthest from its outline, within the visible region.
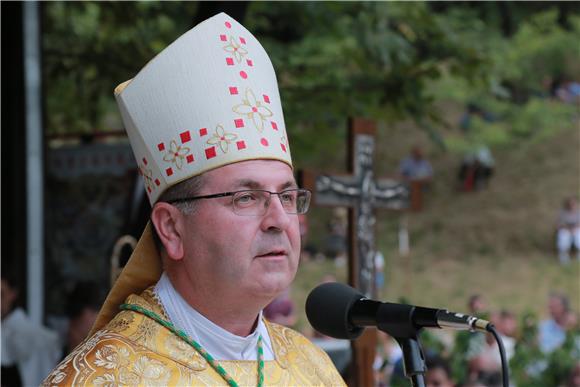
(271, 289)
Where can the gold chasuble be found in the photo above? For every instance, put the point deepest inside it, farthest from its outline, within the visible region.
(133, 349)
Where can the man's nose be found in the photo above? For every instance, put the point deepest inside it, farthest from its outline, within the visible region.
(276, 216)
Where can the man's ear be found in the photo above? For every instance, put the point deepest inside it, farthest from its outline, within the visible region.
(169, 223)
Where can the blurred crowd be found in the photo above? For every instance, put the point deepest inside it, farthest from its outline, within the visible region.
(540, 353)
(30, 350)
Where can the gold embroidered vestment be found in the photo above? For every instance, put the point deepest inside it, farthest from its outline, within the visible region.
(132, 349)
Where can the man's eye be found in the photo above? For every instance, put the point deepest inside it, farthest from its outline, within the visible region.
(246, 198)
(287, 197)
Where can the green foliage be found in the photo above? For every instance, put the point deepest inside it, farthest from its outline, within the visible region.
(520, 71)
(540, 50)
(362, 59)
(534, 120)
(388, 61)
(89, 48)
(531, 367)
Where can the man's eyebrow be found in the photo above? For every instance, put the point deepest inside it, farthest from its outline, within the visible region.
(289, 184)
(253, 184)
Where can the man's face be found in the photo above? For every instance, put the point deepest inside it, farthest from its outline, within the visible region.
(556, 307)
(8, 297)
(437, 377)
(242, 256)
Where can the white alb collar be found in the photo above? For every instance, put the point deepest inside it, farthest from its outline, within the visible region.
(220, 343)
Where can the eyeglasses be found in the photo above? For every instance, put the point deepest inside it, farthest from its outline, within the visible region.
(255, 202)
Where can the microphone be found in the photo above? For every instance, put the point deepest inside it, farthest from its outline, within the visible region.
(339, 311)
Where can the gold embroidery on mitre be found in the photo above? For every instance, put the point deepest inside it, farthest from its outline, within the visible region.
(176, 154)
(236, 50)
(222, 138)
(254, 110)
(147, 174)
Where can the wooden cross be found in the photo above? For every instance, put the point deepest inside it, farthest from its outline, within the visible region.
(361, 193)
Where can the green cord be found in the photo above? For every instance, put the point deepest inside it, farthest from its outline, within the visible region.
(181, 334)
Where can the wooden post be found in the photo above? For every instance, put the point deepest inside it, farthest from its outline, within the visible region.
(361, 193)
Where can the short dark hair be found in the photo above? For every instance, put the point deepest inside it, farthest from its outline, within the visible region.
(436, 361)
(185, 188)
(84, 295)
(563, 300)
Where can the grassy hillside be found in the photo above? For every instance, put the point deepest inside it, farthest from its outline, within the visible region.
(497, 242)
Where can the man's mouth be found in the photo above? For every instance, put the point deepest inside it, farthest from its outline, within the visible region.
(273, 253)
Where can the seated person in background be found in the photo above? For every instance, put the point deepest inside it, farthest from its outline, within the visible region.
(82, 309)
(477, 305)
(438, 373)
(476, 169)
(29, 350)
(507, 327)
(415, 167)
(552, 332)
(568, 230)
(281, 310)
(574, 376)
(484, 359)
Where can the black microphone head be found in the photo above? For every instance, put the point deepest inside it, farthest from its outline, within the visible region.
(328, 307)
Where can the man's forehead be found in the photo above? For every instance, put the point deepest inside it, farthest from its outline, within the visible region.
(252, 174)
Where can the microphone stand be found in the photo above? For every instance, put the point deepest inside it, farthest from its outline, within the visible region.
(413, 360)
(397, 321)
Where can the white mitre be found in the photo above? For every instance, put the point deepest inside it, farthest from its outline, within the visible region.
(209, 99)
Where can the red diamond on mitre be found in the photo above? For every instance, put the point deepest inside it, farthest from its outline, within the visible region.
(210, 153)
(230, 61)
(274, 125)
(283, 147)
(249, 62)
(228, 24)
(266, 98)
(264, 142)
(239, 123)
(241, 145)
(148, 189)
(223, 38)
(157, 182)
(189, 159)
(144, 161)
(243, 74)
(203, 132)
(233, 90)
(242, 40)
(185, 137)
(169, 171)
(161, 146)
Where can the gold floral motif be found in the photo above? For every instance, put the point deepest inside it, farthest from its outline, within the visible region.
(146, 332)
(182, 351)
(105, 380)
(106, 357)
(222, 138)
(57, 375)
(176, 154)
(254, 110)
(280, 342)
(236, 50)
(162, 360)
(147, 176)
(121, 322)
(128, 377)
(151, 372)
